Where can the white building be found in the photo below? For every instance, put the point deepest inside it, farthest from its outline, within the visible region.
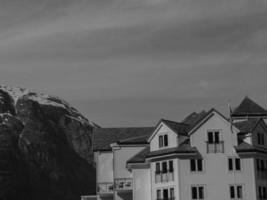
(207, 156)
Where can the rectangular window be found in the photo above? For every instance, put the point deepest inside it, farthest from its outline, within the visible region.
(158, 194)
(237, 164)
(160, 141)
(165, 140)
(260, 193)
(172, 193)
(260, 137)
(216, 137)
(164, 167)
(157, 168)
(213, 137)
(234, 164)
(210, 137)
(196, 165)
(197, 192)
(230, 164)
(214, 142)
(170, 166)
(264, 194)
(236, 192)
(165, 194)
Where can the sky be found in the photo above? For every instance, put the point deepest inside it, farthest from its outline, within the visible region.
(133, 62)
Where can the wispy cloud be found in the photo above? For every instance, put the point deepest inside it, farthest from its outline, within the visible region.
(136, 51)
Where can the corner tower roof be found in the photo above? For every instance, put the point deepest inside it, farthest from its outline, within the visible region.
(249, 108)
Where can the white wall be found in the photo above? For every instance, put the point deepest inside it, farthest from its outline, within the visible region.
(142, 184)
(121, 156)
(172, 138)
(104, 167)
(216, 178)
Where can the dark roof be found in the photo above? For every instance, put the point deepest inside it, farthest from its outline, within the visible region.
(103, 137)
(183, 148)
(194, 118)
(136, 140)
(248, 108)
(140, 157)
(247, 126)
(249, 148)
(146, 153)
(177, 127)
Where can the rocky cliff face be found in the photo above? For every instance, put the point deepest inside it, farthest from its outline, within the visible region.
(45, 148)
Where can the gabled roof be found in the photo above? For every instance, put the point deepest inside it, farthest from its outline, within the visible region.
(140, 157)
(205, 117)
(177, 127)
(247, 126)
(103, 137)
(249, 108)
(181, 149)
(249, 148)
(194, 118)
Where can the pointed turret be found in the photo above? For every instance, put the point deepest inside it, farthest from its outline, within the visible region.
(248, 108)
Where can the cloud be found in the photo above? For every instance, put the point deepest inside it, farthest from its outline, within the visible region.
(136, 51)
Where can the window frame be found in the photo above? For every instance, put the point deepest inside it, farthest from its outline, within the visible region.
(163, 140)
(234, 164)
(236, 191)
(194, 163)
(198, 193)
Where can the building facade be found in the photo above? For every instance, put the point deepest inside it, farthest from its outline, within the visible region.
(205, 157)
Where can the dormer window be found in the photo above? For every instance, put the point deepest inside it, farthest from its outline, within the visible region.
(163, 141)
(260, 137)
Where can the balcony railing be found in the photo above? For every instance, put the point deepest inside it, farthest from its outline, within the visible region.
(215, 147)
(124, 184)
(164, 177)
(104, 188)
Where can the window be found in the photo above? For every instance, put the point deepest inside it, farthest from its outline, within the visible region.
(213, 137)
(158, 194)
(172, 194)
(197, 192)
(196, 165)
(164, 171)
(236, 192)
(214, 144)
(160, 141)
(260, 137)
(234, 164)
(164, 167)
(165, 194)
(157, 168)
(163, 141)
(170, 166)
(262, 192)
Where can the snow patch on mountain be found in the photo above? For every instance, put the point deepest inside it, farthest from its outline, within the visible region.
(43, 99)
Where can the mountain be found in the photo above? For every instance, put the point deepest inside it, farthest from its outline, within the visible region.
(45, 148)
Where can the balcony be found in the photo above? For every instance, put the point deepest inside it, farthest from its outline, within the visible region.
(161, 177)
(123, 184)
(170, 198)
(105, 188)
(215, 147)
